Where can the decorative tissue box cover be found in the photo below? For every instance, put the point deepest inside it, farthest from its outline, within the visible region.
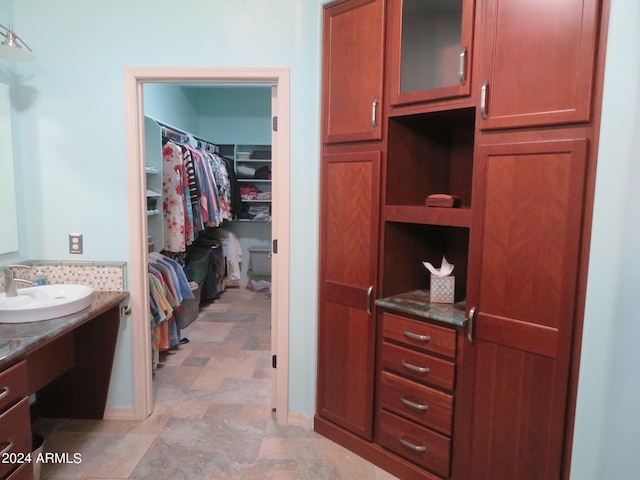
(442, 289)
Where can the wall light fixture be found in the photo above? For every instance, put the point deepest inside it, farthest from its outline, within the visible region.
(13, 47)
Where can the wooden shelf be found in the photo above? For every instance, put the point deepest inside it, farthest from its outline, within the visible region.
(449, 217)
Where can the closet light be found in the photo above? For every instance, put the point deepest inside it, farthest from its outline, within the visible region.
(14, 48)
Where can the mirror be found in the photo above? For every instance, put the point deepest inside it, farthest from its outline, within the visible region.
(8, 212)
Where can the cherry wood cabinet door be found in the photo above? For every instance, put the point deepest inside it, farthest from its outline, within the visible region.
(526, 261)
(348, 264)
(430, 46)
(538, 62)
(352, 65)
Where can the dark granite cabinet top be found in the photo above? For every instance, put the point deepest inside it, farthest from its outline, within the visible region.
(416, 303)
(17, 339)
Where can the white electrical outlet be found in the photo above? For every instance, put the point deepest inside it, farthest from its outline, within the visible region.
(75, 243)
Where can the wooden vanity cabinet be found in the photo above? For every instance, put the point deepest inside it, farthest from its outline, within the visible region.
(429, 49)
(23, 472)
(15, 424)
(352, 65)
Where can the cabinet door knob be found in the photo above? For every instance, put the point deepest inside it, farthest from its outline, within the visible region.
(369, 299)
(462, 69)
(484, 90)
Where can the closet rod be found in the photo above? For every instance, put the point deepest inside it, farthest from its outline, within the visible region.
(216, 148)
(177, 131)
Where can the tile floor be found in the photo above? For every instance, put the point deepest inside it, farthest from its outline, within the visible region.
(212, 418)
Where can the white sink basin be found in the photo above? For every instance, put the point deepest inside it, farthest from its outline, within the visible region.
(44, 302)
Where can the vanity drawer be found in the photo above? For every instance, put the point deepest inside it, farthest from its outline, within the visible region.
(25, 472)
(427, 406)
(420, 445)
(418, 366)
(13, 384)
(422, 335)
(15, 433)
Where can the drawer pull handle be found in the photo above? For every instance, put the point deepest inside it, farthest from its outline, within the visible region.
(374, 114)
(416, 336)
(417, 406)
(5, 392)
(7, 448)
(483, 100)
(415, 368)
(462, 70)
(412, 446)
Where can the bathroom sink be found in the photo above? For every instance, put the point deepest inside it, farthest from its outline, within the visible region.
(44, 302)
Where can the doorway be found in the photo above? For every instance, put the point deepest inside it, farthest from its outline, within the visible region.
(135, 78)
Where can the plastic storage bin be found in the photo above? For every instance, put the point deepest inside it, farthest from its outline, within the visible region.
(259, 260)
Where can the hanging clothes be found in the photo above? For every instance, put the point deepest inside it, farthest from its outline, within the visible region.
(197, 193)
(168, 288)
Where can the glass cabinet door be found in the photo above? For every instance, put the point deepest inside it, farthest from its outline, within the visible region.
(432, 43)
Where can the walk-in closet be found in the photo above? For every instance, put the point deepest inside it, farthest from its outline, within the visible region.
(208, 169)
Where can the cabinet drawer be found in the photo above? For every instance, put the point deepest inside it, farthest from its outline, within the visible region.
(25, 472)
(422, 335)
(15, 433)
(420, 445)
(427, 406)
(13, 384)
(418, 366)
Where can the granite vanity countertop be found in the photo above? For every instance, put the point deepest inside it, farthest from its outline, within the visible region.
(16, 339)
(417, 303)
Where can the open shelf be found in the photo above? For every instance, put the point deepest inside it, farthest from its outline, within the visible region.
(407, 245)
(430, 153)
(452, 217)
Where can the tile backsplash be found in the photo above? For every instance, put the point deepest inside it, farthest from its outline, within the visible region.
(101, 276)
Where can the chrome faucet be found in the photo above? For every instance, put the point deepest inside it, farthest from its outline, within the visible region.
(10, 280)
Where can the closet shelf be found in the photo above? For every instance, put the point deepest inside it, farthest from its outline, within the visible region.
(253, 180)
(449, 217)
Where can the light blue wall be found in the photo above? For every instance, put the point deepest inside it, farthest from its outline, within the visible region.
(73, 126)
(607, 432)
(73, 156)
(171, 104)
(235, 115)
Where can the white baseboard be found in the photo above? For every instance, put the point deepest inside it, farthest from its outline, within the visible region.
(297, 419)
(119, 413)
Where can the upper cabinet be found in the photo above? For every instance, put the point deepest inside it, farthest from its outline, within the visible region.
(430, 47)
(353, 46)
(538, 62)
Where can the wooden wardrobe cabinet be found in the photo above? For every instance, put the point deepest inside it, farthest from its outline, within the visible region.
(484, 388)
(538, 62)
(353, 46)
(527, 242)
(348, 268)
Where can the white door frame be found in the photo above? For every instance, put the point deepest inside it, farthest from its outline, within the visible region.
(134, 78)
